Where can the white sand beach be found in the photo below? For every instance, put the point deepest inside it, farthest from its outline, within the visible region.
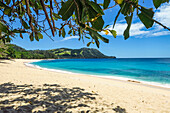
(28, 89)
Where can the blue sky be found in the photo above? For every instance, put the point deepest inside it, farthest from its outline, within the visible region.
(153, 42)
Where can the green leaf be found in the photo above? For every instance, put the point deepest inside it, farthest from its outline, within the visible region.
(36, 7)
(78, 11)
(70, 31)
(74, 16)
(36, 38)
(56, 16)
(59, 33)
(106, 4)
(125, 8)
(67, 9)
(23, 2)
(91, 13)
(129, 22)
(63, 33)
(18, 31)
(146, 16)
(157, 3)
(20, 9)
(2, 4)
(46, 1)
(96, 7)
(98, 23)
(21, 35)
(74, 33)
(70, 25)
(100, 4)
(118, 1)
(163, 1)
(3, 27)
(88, 44)
(40, 36)
(84, 16)
(79, 33)
(8, 39)
(106, 26)
(113, 33)
(31, 37)
(87, 37)
(96, 35)
(25, 24)
(7, 2)
(102, 38)
(7, 11)
(82, 25)
(97, 43)
(116, 17)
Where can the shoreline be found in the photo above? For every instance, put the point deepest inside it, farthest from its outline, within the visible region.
(123, 79)
(36, 89)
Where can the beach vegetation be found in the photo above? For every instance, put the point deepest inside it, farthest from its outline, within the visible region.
(14, 51)
(83, 18)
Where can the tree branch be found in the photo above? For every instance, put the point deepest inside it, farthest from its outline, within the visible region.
(29, 14)
(165, 27)
(77, 10)
(46, 14)
(110, 7)
(51, 12)
(137, 6)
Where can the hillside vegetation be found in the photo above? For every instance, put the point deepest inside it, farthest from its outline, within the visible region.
(14, 51)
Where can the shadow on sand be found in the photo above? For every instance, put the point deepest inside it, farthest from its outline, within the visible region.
(49, 99)
(3, 60)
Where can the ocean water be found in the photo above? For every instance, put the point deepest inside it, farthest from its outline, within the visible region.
(150, 70)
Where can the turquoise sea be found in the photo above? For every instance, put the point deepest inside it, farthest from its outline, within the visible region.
(149, 70)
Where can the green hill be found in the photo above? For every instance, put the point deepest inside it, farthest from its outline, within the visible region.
(14, 51)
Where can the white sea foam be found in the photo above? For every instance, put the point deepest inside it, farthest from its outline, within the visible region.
(54, 70)
(109, 77)
(143, 82)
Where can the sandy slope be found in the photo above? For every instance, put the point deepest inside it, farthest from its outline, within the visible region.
(51, 91)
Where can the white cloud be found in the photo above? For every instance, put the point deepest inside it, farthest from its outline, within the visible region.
(119, 27)
(161, 33)
(138, 29)
(162, 15)
(70, 37)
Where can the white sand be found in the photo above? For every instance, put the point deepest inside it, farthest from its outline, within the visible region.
(112, 95)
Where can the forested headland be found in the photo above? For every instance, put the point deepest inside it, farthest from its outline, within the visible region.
(9, 51)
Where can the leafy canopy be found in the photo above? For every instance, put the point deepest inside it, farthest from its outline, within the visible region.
(83, 17)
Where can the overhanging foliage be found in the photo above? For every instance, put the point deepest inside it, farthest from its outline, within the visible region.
(83, 17)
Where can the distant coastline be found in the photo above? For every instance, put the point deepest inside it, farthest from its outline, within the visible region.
(16, 52)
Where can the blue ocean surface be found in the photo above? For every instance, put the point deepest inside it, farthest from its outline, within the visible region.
(155, 70)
